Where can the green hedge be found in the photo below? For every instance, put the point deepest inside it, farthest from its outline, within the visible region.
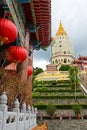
(58, 97)
(58, 85)
(51, 83)
(59, 90)
(43, 107)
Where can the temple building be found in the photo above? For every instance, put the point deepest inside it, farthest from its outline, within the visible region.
(61, 48)
(25, 26)
(81, 62)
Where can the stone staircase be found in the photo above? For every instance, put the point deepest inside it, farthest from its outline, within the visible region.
(58, 93)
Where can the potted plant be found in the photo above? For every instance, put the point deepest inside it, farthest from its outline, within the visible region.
(51, 110)
(77, 109)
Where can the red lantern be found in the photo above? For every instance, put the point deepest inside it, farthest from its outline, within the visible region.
(8, 31)
(16, 54)
(30, 70)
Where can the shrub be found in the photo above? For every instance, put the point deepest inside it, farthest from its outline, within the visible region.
(51, 109)
(77, 109)
(41, 103)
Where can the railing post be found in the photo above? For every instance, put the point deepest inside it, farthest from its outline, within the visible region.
(29, 111)
(23, 108)
(35, 112)
(32, 110)
(3, 108)
(16, 109)
(24, 111)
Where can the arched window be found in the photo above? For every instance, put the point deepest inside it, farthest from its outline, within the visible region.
(65, 60)
(68, 60)
(64, 52)
(59, 45)
(56, 61)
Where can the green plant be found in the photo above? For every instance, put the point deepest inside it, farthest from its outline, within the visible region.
(42, 88)
(64, 67)
(41, 103)
(59, 106)
(13, 86)
(74, 78)
(35, 94)
(51, 109)
(77, 109)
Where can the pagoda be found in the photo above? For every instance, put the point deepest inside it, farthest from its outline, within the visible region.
(61, 48)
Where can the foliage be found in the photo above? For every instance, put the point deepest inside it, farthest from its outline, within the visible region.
(74, 78)
(50, 83)
(59, 97)
(73, 74)
(51, 109)
(13, 86)
(42, 89)
(41, 103)
(51, 90)
(35, 94)
(59, 106)
(77, 109)
(64, 67)
(37, 71)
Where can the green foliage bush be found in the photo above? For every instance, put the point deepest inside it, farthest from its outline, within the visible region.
(35, 94)
(42, 89)
(51, 109)
(58, 97)
(77, 109)
(64, 67)
(41, 103)
(60, 106)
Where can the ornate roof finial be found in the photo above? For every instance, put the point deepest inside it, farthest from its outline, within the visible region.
(61, 30)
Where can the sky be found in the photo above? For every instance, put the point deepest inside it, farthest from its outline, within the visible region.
(72, 14)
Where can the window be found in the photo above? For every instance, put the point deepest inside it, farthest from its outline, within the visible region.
(68, 60)
(59, 45)
(64, 52)
(56, 61)
(65, 60)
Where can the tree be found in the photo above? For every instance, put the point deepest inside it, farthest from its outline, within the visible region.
(37, 71)
(51, 109)
(77, 109)
(74, 78)
(64, 67)
(13, 86)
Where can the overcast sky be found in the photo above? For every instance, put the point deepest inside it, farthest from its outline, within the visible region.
(73, 14)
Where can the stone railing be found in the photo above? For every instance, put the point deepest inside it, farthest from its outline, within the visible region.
(83, 88)
(16, 120)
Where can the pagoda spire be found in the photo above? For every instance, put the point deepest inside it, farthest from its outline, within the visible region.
(61, 30)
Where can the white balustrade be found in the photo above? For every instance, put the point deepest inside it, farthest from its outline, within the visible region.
(16, 120)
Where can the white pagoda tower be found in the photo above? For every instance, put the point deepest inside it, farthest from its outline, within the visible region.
(61, 48)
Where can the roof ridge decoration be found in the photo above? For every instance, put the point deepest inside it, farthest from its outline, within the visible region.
(61, 30)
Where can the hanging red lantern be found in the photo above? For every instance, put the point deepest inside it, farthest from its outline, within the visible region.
(16, 54)
(8, 31)
(30, 70)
